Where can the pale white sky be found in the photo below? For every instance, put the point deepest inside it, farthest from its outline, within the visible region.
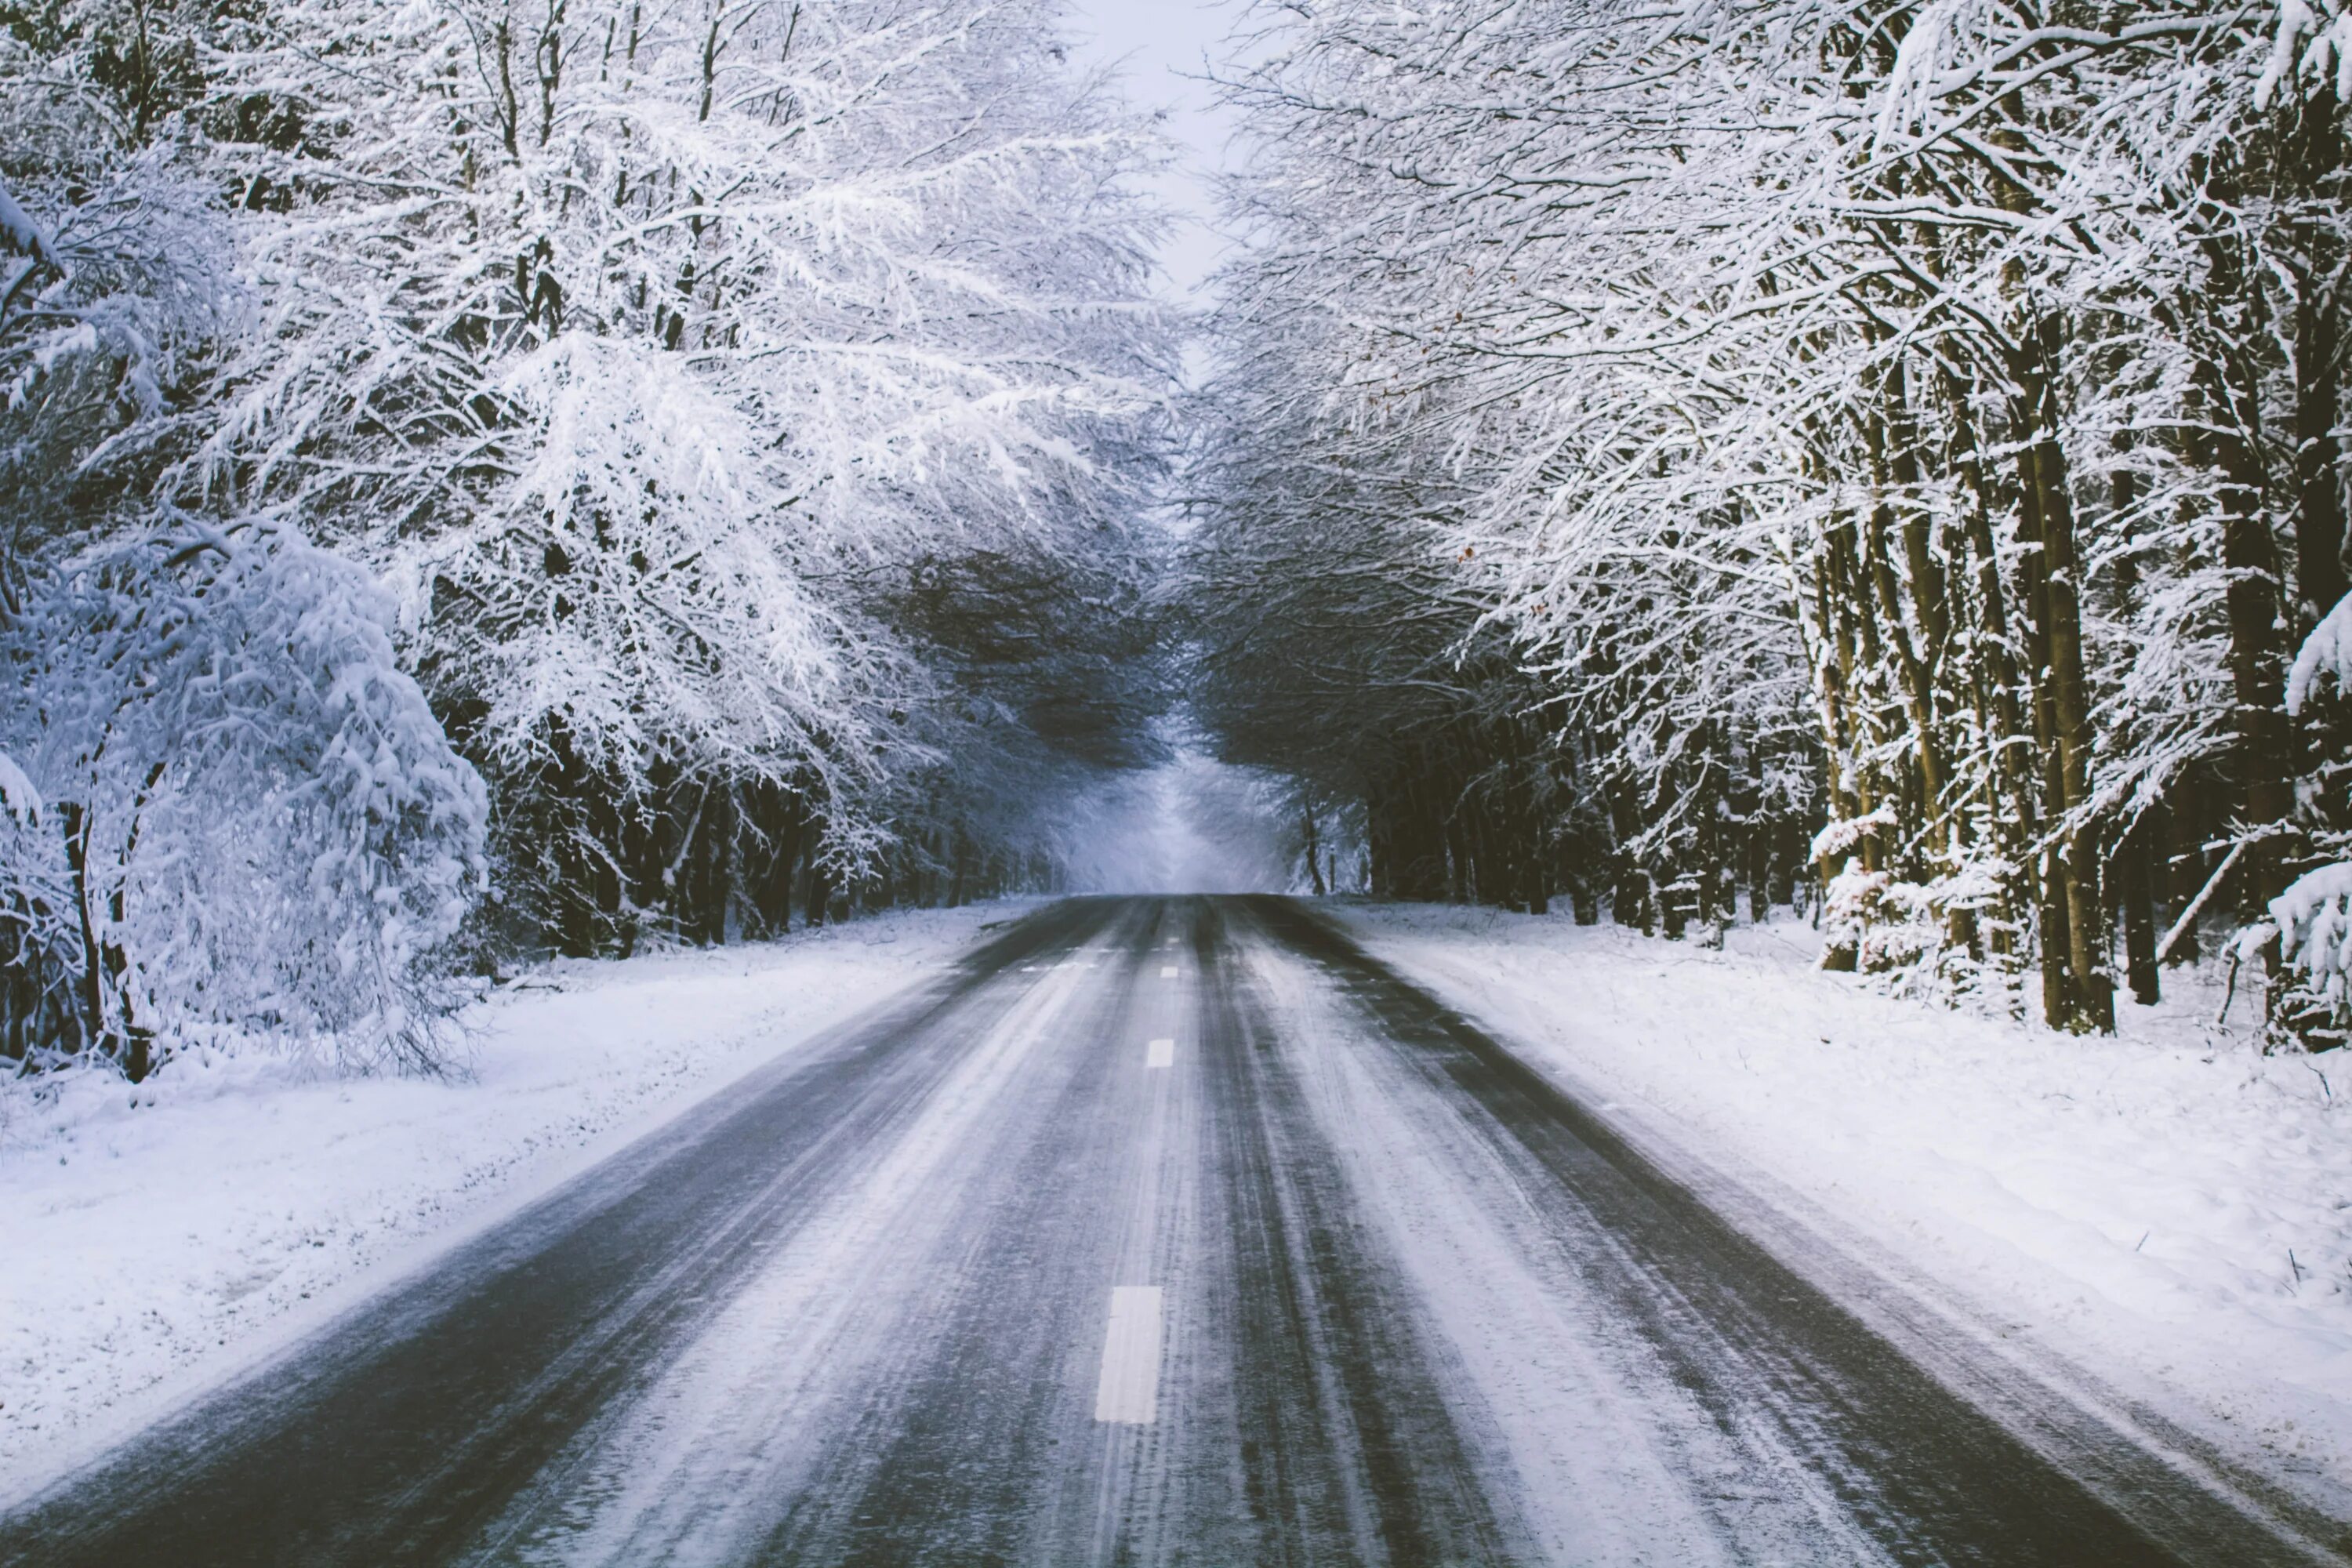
(1159, 45)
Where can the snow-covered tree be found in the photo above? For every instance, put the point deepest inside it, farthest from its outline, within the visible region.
(738, 422)
(1914, 422)
(659, 357)
(255, 827)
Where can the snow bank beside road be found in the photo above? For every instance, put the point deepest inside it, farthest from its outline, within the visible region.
(2129, 1203)
(161, 1231)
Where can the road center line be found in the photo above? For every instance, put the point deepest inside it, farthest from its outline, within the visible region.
(1161, 1054)
(1167, 972)
(1129, 1389)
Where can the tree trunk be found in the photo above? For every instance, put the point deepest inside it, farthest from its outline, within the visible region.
(2314, 157)
(2319, 479)
(2135, 891)
(1380, 881)
(820, 882)
(96, 1030)
(2263, 753)
(2187, 866)
(2077, 990)
(2086, 943)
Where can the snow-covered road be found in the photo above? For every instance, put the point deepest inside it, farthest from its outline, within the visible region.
(1159, 1230)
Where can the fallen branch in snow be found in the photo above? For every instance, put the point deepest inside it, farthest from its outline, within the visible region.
(2197, 905)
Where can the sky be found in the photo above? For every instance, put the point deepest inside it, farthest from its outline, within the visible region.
(1161, 48)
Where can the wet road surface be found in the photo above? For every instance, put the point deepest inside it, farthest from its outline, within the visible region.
(1162, 1231)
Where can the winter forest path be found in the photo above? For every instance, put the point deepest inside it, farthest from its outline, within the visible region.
(1163, 1230)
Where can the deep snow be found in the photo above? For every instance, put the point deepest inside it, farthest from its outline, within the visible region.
(154, 1239)
(2128, 1203)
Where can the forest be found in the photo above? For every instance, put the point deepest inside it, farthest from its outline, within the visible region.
(495, 477)
(484, 477)
(1881, 457)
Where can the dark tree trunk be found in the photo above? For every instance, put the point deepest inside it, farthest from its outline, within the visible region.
(2314, 157)
(76, 818)
(1379, 835)
(2262, 756)
(820, 884)
(718, 865)
(2043, 473)
(2135, 891)
(776, 887)
(2319, 480)
(2057, 988)
(2189, 865)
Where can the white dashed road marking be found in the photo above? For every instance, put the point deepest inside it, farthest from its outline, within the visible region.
(1161, 1054)
(1129, 1389)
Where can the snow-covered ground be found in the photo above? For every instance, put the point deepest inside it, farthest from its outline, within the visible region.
(2130, 1204)
(154, 1238)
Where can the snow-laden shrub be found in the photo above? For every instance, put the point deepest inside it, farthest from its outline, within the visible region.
(250, 824)
(1900, 931)
(2314, 918)
(1878, 924)
(2325, 656)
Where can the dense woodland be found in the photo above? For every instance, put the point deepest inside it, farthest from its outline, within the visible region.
(496, 476)
(490, 477)
(1885, 457)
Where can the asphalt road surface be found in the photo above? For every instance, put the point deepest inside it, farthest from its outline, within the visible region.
(1162, 1231)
